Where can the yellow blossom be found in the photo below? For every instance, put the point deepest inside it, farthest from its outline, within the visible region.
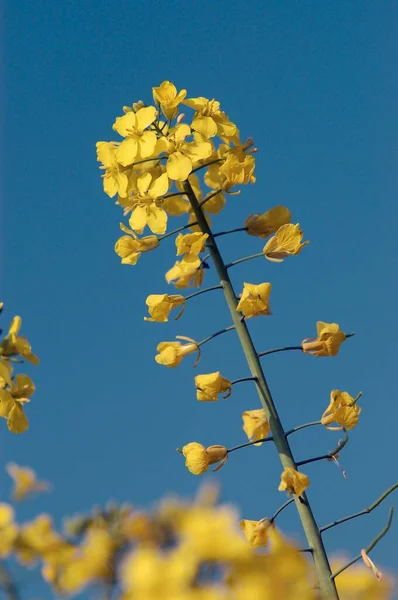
(184, 275)
(191, 245)
(8, 530)
(210, 385)
(342, 410)
(12, 401)
(25, 481)
(5, 373)
(256, 532)
(198, 458)
(160, 306)
(129, 247)
(238, 168)
(172, 353)
(137, 142)
(328, 342)
(293, 481)
(115, 179)
(147, 204)
(286, 242)
(182, 155)
(209, 120)
(358, 583)
(254, 300)
(37, 539)
(266, 224)
(16, 344)
(255, 425)
(168, 99)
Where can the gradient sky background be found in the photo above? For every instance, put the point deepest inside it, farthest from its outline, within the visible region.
(315, 84)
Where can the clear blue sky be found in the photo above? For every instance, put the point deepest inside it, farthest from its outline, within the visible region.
(315, 84)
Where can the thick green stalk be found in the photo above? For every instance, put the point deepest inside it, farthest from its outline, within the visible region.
(311, 530)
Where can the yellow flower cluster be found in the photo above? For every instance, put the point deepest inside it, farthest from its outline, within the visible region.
(15, 390)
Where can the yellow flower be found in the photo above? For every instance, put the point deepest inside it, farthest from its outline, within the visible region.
(210, 385)
(5, 373)
(137, 142)
(198, 458)
(264, 225)
(254, 300)
(8, 530)
(115, 178)
(328, 341)
(147, 204)
(160, 306)
(293, 482)
(166, 96)
(172, 353)
(12, 401)
(25, 481)
(342, 410)
(16, 344)
(129, 247)
(184, 275)
(256, 532)
(38, 539)
(255, 425)
(286, 242)
(238, 168)
(191, 245)
(182, 155)
(209, 120)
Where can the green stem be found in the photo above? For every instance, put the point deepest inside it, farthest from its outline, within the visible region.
(209, 197)
(209, 289)
(371, 545)
(247, 444)
(216, 334)
(241, 260)
(166, 235)
(7, 584)
(274, 350)
(303, 426)
(327, 586)
(229, 231)
(281, 508)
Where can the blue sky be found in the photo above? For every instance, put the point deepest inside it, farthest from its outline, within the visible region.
(315, 84)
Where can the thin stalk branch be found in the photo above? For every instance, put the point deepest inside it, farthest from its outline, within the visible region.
(240, 260)
(274, 350)
(216, 334)
(229, 231)
(327, 586)
(212, 162)
(209, 289)
(210, 196)
(310, 424)
(7, 583)
(145, 160)
(372, 544)
(166, 235)
(330, 454)
(242, 379)
(267, 439)
(280, 509)
(365, 511)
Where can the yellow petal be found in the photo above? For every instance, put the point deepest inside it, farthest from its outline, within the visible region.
(17, 421)
(127, 151)
(157, 220)
(138, 219)
(147, 143)
(178, 166)
(144, 117)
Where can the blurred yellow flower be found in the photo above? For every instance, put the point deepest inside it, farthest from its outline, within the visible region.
(198, 458)
(255, 425)
(209, 386)
(256, 532)
(129, 247)
(172, 353)
(147, 204)
(328, 342)
(342, 410)
(138, 142)
(16, 344)
(115, 178)
(209, 120)
(8, 530)
(358, 583)
(293, 481)
(166, 96)
(182, 155)
(184, 275)
(191, 245)
(254, 300)
(12, 401)
(37, 539)
(266, 224)
(160, 306)
(286, 242)
(25, 481)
